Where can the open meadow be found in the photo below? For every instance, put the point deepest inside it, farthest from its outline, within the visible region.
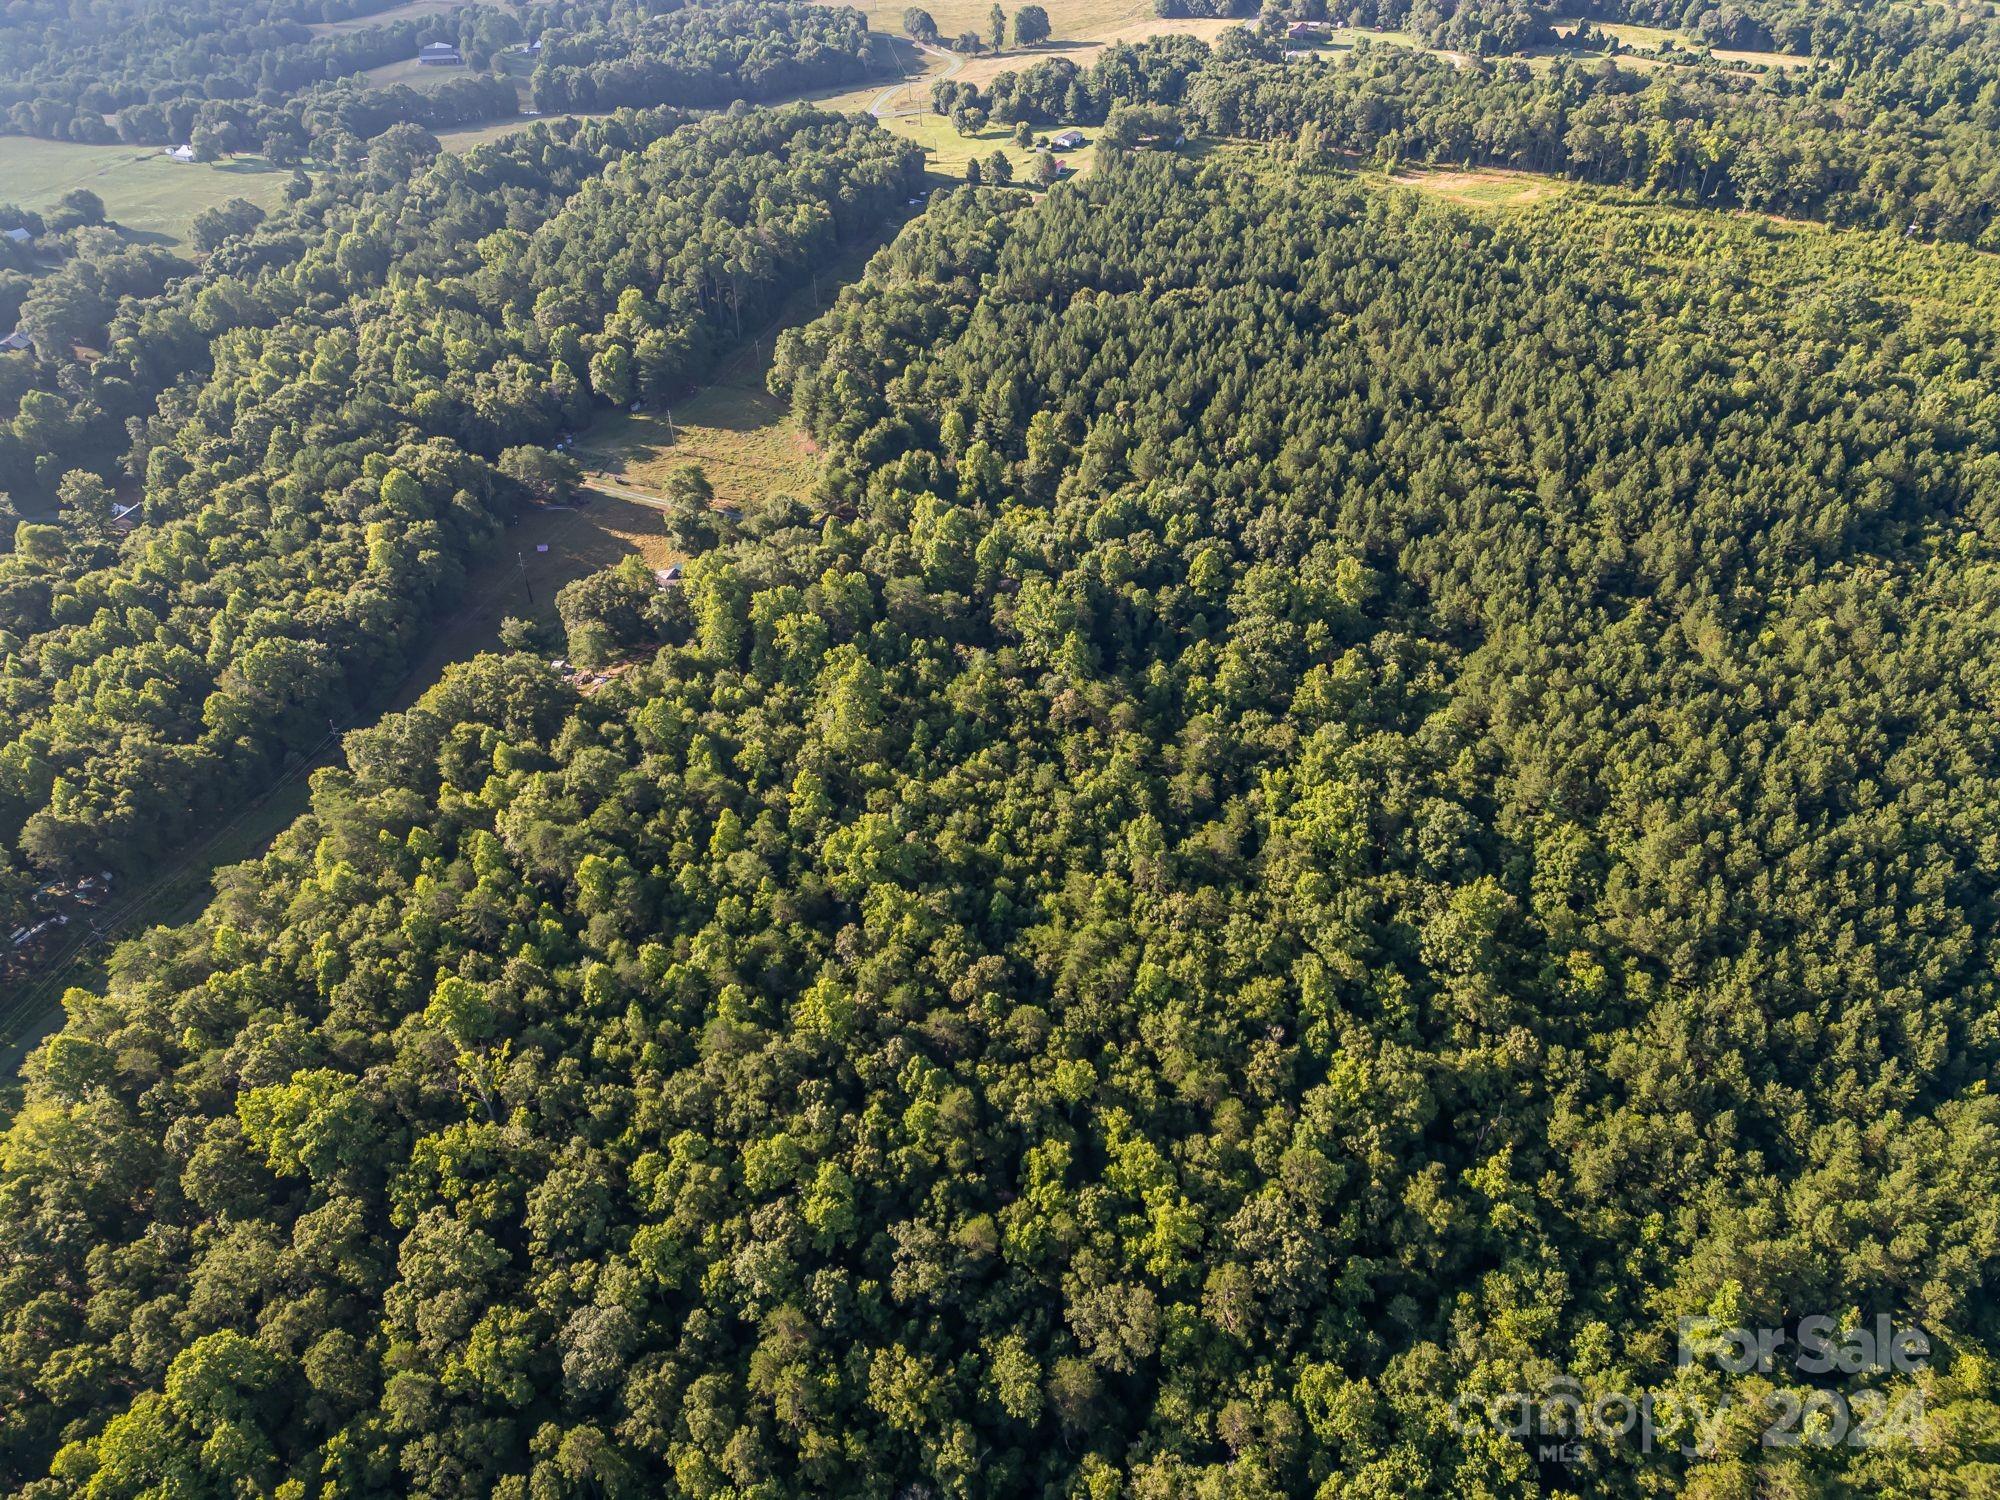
(142, 189)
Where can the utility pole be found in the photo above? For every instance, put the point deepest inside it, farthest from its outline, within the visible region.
(522, 558)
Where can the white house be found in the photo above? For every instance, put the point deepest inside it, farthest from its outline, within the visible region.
(1069, 140)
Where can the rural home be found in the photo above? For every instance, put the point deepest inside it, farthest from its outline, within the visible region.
(20, 236)
(14, 341)
(438, 55)
(1069, 140)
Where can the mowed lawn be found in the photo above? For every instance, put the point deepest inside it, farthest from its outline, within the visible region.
(947, 152)
(141, 188)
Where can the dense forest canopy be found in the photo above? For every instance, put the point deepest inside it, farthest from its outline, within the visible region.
(65, 68)
(1330, 807)
(313, 502)
(703, 55)
(1913, 146)
(226, 78)
(1328, 819)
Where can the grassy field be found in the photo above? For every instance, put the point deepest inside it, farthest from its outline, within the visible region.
(1082, 29)
(1762, 59)
(465, 137)
(143, 190)
(413, 73)
(520, 580)
(1069, 18)
(412, 10)
(741, 435)
(1684, 47)
(947, 151)
(1491, 188)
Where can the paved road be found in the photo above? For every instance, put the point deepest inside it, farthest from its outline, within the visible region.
(954, 60)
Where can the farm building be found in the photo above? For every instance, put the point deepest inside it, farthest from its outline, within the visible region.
(438, 55)
(181, 153)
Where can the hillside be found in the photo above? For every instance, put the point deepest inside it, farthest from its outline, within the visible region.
(1130, 750)
(1352, 810)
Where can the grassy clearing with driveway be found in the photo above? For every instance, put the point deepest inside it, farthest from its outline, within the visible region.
(947, 152)
(142, 189)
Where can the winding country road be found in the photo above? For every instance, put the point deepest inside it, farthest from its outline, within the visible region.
(879, 105)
